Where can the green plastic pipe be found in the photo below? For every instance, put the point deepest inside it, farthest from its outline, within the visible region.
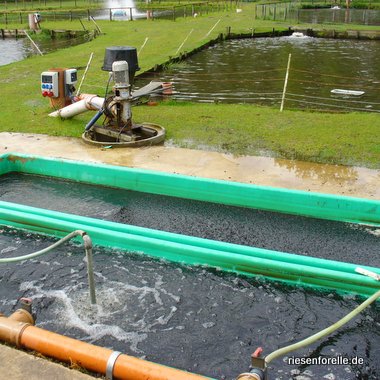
(183, 239)
(186, 253)
(242, 259)
(317, 205)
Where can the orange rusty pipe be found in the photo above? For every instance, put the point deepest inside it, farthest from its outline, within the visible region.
(22, 334)
(12, 327)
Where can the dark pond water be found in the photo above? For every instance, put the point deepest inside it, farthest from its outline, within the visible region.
(16, 50)
(194, 318)
(191, 318)
(253, 71)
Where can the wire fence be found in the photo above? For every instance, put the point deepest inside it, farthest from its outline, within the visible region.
(40, 4)
(120, 13)
(333, 14)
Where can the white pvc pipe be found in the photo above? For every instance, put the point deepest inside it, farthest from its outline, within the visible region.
(71, 110)
(93, 102)
(87, 103)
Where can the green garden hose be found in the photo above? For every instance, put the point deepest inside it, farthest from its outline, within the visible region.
(327, 331)
(87, 246)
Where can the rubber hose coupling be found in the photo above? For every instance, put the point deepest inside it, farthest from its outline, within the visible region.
(253, 374)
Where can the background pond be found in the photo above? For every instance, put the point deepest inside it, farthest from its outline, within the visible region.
(253, 71)
(13, 50)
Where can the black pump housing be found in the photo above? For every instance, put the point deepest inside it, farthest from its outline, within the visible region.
(121, 53)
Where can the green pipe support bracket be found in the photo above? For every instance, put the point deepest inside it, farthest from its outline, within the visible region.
(252, 261)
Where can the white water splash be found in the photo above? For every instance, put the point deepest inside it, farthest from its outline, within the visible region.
(139, 308)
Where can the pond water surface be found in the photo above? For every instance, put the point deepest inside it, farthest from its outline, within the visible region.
(253, 71)
(13, 50)
(194, 318)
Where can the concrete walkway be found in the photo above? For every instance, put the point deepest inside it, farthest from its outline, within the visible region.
(17, 365)
(290, 174)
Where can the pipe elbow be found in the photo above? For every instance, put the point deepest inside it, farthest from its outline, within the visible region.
(12, 328)
(253, 374)
(87, 241)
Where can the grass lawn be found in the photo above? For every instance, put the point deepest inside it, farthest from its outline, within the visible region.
(350, 138)
(245, 129)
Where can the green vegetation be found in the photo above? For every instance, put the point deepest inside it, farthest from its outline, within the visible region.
(353, 5)
(245, 129)
(241, 129)
(357, 4)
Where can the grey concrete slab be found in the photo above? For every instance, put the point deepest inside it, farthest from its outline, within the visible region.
(16, 365)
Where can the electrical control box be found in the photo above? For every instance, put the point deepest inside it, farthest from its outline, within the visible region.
(71, 76)
(50, 84)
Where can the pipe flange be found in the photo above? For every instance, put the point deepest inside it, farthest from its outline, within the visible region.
(248, 376)
(111, 364)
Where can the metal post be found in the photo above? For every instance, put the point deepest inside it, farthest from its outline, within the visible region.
(130, 14)
(84, 28)
(285, 84)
